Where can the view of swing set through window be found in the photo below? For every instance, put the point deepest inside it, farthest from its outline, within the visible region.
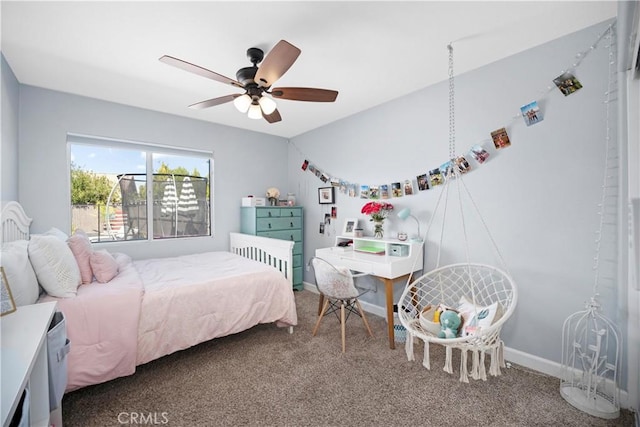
(123, 191)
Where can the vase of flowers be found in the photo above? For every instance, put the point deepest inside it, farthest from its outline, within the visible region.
(378, 211)
(272, 194)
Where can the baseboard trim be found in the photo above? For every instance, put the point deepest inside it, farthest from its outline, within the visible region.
(526, 360)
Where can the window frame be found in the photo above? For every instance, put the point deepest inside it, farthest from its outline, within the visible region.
(150, 149)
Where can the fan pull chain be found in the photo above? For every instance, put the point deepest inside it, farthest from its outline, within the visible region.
(452, 116)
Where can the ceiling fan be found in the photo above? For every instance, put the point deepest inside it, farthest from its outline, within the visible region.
(257, 81)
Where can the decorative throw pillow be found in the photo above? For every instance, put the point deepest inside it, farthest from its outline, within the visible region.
(104, 266)
(19, 272)
(57, 232)
(474, 316)
(55, 265)
(80, 246)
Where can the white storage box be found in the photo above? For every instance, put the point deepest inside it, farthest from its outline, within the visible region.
(254, 201)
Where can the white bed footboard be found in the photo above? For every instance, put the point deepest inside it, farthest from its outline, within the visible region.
(274, 252)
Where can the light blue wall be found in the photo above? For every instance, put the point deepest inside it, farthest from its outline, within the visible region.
(539, 197)
(245, 162)
(9, 147)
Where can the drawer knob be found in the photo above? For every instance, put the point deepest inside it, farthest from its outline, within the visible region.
(269, 225)
(292, 237)
(291, 224)
(269, 214)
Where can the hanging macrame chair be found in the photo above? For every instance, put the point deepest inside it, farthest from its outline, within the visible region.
(486, 293)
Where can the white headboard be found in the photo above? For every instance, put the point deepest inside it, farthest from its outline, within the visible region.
(14, 223)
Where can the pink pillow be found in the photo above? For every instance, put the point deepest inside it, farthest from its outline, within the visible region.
(80, 246)
(104, 266)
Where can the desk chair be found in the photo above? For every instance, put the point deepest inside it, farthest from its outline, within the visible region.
(337, 287)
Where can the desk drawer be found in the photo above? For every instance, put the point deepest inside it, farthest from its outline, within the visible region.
(268, 224)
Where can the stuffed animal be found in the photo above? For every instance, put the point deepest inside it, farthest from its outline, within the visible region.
(450, 322)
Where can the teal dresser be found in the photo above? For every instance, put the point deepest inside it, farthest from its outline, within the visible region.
(283, 223)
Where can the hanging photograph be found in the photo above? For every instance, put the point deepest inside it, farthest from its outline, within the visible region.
(350, 224)
(305, 165)
(422, 182)
(408, 187)
(364, 191)
(479, 153)
(531, 113)
(326, 195)
(500, 138)
(374, 192)
(435, 177)
(567, 83)
(384, 191)
(396, 189)
(8, 304)
(462, 164)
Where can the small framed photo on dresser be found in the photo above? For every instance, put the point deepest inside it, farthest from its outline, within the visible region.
(326, 196)
(8, 305)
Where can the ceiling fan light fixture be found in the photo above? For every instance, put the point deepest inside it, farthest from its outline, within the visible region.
(242, 103)
(268, 105)
(255, 112)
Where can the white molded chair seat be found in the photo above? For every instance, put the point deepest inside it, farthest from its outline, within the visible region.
(337, 288)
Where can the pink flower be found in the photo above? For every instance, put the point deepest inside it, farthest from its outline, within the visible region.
(377, 210)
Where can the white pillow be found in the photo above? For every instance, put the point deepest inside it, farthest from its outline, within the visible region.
(56, 232)
(486, 316)
(55, 265)
(19, 272)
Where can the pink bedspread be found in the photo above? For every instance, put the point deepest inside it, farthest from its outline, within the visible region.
(102, 325)
(194, 298)
(156, 307)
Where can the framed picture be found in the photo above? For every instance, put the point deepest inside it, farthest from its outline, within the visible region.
(8, 304)
(350, 224)
(326, 195)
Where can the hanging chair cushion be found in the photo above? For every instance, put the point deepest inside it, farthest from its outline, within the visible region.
(475, 316)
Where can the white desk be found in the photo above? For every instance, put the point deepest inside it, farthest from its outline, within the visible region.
(24, 361)
(393, 260)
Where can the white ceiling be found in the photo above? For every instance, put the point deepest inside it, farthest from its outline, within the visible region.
(371, 52)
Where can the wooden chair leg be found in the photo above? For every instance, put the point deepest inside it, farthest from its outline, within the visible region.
(343, 326)
(324, 310)
(320, 304)
(364, 318)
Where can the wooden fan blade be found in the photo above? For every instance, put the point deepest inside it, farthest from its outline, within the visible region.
(196, 69)
(273, 117)
(304, 94)
(214, 101)
(276, 63)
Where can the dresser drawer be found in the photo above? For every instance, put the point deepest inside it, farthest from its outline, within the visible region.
(269, 224)
(268, 213)
(290, 212)
(297, 248)
(295, 235)
(297, 260)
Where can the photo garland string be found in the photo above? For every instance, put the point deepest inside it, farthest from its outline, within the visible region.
(566, 82)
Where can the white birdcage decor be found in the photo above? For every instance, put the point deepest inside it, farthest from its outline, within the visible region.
(591, 363)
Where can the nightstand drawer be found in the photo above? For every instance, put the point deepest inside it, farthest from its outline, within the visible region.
(269, 224)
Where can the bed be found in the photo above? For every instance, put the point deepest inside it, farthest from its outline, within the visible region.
(154, 307)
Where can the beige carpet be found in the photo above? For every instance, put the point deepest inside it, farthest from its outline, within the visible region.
(268, 377)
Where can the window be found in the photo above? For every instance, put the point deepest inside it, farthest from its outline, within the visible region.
(133, 191)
